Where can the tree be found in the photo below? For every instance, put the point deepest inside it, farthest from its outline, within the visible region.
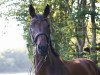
(69, 21)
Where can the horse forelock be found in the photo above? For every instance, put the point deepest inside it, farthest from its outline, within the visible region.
(39, 16)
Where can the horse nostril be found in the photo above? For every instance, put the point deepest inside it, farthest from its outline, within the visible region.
(39, 46)
(42, 49)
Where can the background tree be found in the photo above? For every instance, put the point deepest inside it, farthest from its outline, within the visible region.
(71, 26)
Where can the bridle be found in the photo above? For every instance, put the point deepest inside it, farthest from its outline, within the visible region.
(34, 42)
(34, 38)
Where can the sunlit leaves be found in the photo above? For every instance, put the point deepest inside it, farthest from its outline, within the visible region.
(65, 16)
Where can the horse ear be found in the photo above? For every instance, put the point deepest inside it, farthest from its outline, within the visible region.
(46, 11)
(31, 11)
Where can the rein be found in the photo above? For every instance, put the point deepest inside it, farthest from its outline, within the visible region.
(44, 58)
(34, 40)
(40, 64)
(38, 34)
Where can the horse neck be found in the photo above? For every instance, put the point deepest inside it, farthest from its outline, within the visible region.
(42, 65)
(52, 66)
(56, 66)
(50, 58)
(38, 63)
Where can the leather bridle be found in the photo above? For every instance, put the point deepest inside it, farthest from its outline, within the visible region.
(34, 38)
(34, 42)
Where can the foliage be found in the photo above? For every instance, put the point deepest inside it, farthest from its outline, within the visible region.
(69, 21)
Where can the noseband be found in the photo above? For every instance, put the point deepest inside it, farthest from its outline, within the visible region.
(43, 59)
(39, 34)
(34, 39)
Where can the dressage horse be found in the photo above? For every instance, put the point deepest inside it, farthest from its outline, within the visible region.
(46, 60)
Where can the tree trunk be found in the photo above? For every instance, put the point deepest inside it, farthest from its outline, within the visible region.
(93, 30)
(81, 27)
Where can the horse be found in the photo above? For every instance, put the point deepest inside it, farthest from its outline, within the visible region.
(46, 60)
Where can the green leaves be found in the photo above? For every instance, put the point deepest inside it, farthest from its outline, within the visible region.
(67, 20)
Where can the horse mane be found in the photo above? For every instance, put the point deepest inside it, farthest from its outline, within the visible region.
(53, 50)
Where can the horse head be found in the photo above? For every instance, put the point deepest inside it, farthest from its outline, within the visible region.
(40, 30)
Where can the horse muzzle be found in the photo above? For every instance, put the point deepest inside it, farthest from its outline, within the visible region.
(42, 49)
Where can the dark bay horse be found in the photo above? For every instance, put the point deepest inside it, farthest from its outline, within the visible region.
(46, 60)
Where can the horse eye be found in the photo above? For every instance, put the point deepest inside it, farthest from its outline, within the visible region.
(48, 25)
(30, 30)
